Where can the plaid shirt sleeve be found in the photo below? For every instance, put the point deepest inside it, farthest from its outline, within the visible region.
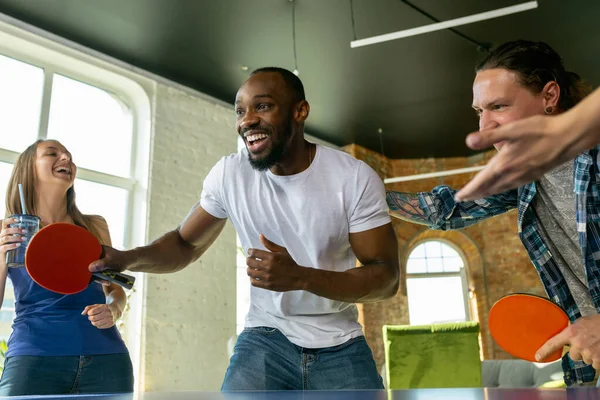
(443, 212)
(576, 371)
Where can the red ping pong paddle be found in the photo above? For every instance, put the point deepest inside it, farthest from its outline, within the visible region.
(58, 256)
(522, 323)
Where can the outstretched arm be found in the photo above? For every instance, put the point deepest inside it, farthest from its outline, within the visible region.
(171, 252)
(406, 207)
(439, 209)
(533, 146)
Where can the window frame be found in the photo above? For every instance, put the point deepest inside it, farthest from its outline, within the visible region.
(462, 273)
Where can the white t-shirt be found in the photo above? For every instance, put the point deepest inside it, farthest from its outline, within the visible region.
(310, 214)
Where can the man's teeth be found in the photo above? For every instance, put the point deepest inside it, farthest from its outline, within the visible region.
(253, 138)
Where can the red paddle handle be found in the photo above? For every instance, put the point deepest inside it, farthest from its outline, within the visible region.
(119, 278)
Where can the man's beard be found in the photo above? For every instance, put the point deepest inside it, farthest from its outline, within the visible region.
(275, 154)
(270, 160)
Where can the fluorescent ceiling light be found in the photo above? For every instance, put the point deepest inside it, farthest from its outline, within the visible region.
(446, 24)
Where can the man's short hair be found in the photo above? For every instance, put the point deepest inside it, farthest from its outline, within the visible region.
(290, 79)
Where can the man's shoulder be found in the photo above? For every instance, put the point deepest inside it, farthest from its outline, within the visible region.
(235, 160)
(341, 158)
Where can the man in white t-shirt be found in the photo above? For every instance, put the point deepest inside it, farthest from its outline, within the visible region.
(304, 214)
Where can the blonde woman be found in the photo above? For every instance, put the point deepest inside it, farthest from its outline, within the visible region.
(60, 344)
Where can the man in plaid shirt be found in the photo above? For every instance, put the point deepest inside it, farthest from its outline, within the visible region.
(558, 215)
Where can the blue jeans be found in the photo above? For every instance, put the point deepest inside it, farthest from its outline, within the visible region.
(39, 375)
(264, 359)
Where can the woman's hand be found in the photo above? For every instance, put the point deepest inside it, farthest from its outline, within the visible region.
(102, 316)
(10, 238)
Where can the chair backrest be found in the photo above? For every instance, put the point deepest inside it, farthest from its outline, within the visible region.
(432, 356)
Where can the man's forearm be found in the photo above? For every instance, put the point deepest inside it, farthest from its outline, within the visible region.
(585, 121)
(406, 207)
(169, 253)
(364, 284)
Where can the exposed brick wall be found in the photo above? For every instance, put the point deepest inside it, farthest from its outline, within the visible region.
(497, 263)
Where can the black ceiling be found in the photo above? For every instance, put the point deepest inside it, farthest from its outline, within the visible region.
(417, 89)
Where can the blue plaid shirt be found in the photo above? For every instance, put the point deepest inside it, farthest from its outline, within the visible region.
(444, 213)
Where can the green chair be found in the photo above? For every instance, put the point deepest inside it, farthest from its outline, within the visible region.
(432, 356)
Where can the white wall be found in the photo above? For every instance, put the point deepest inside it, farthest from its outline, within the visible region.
(191, 314)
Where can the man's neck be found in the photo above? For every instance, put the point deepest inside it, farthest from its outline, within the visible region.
(295, 159)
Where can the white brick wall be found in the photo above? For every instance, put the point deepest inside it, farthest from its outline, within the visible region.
(191, 314)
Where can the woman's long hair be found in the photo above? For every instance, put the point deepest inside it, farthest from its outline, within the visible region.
(24, 172)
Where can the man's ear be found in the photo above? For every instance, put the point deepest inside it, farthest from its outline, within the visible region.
(551, 95)
(302, 111)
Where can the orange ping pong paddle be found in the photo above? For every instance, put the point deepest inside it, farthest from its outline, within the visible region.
(58, 257)
(521, 324)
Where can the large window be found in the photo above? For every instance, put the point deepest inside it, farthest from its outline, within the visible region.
(94, 124)
(437, 284)
(51, 88)
(101, 117)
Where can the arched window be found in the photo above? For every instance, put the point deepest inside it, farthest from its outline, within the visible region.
(437, 284)
(102, 117)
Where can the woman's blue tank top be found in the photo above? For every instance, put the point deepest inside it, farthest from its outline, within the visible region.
(51, 324)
